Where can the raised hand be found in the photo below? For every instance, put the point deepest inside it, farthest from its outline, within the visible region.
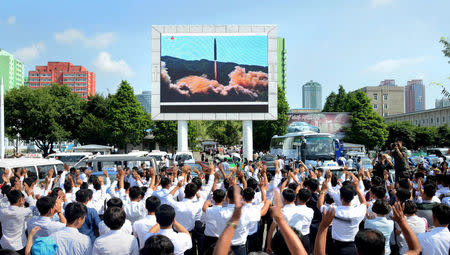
(328, 216)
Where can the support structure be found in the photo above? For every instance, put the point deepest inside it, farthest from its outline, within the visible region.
(2, 122)
(247, 139)
(182, 138)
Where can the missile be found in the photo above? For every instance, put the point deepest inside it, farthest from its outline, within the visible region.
(215, 59)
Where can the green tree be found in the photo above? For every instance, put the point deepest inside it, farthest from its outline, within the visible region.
(330, 102)
(402, 130)
(424, 137)
(94, 126)
(226, 133)
(165, 133)
(264, 130)
(44, 116)
(127, 121)
(443, 136)
(367, 127)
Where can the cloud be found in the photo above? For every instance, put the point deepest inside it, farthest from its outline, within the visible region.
(376, 3)
(71, 36)
(391, 65)
(104, 63)
(12, 20)
(29, 53)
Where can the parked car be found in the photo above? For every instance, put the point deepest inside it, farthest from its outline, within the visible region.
(185, 156)
(269, 160)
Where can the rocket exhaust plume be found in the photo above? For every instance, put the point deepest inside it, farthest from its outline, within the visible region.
(215, 59)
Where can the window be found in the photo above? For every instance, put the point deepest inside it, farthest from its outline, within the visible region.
(386, 114)
(431, 120)
(375, 106)
(385, 96)
(437, 119)
(375, 96)
(423, 121)
(443, 119)
(385, 106)
(82, 80)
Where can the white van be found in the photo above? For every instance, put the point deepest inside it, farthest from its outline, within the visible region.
(37, 167)
(110, 162)
(158, 156)
(184, 156)
(69, 158)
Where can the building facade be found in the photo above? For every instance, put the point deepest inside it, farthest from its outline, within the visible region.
(387, 83)
(145, 98)
(312, 95)
(432, 117)
(12, 70)
(440, 103)
(78, 78)
(386, 100)
(281, 63)
(414, 96)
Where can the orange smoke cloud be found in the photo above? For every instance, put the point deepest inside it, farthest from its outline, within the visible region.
(250, 80)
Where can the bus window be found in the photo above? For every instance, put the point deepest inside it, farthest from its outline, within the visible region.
(43, 171)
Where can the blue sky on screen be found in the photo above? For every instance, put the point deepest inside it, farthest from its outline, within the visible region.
(244, 50)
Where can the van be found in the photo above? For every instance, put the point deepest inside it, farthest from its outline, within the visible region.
(37, 167)
(98, 163)
(69, 158)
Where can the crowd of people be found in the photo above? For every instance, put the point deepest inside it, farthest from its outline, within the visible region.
(250, 210)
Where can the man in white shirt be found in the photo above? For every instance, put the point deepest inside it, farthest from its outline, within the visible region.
(126, 227)
(13, 219)
(115, 241)
(68, 239)
(142, 226)
(48, 206)
(165, 218)
(211, 215)
(437, 241)
(166, 184)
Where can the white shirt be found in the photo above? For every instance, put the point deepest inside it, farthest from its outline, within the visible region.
(13, 219)
(346, 222)
(385, 226)
(418, 226)
(212, 215)
(298, 216)
(254, 212)
(116, 242)
(70, 241)
(181, 241)
(437, 241)
(126, 228)
(242, 230)
(186, 211)
(135, 210)
(273, 186)
(46, 224)
(141, 228)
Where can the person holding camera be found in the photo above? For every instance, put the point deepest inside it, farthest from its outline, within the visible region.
(400, 155)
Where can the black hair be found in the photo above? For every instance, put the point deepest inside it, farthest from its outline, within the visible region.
(55, 192)
(97, 185)
(114, 217)
(92, 179)
(312, 184)
(377, 181)
(67, 186)
(190, 190)
(328, 199)
(29, 181)
(304, 195)
(419, 175)
(165, 215)
(197, 181)
(14, 196)
(410, 207)
(82, 196)
(165, 182)
(114, 202)
(292, 186)
(429, 190)
(252, 183)
(84, 185)
(226, 183)
(269, 176)
(442, 213)
(347, 193)
(230, 193)
(403, 194)
(381, 206)
(44, 204)
(367, 184)
(126, 185)
(6, 189)
(158, 244)
(370, 242)
(279, 245)
(431, 179)
(151, 203)
(73, 211)
(135, 192)
(219, 195)
(334, 180)
(378, 191)
(403, 183)
(289, 195)
(248, 194)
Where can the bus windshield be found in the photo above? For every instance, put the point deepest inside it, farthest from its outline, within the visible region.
(317, 147)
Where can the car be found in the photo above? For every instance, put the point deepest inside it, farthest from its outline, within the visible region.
(185, 156)
(269, 160)
(158, 155)
(415, 160)
(433, 159)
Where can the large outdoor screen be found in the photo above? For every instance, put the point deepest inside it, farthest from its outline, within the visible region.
(215, 72)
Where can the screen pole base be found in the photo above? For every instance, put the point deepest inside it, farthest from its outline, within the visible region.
(247, 139)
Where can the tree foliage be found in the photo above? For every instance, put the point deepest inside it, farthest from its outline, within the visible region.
(367, 127)
(418, 137)
(44, 116)
(93, 128)
(226, 133)
(264, 130)
(165, 133)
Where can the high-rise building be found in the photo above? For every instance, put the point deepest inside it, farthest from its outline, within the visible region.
(281, 63)
(414, 96)
(386, 99)
(78, 78)
(312, 95)
(441, 103)
(11, 69)
(387, 83)
(145, 98)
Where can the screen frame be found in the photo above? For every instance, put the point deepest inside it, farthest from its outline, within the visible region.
(206, 30)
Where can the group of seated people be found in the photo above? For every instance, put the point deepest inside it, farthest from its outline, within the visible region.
(293, 210)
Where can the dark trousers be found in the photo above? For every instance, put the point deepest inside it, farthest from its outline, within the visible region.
(209, 242)
(266, 220)
(344, 248)
(254, 243)
(198, 237)
(305, 242)
(239, 249)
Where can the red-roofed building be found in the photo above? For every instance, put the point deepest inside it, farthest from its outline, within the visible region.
(78, 78)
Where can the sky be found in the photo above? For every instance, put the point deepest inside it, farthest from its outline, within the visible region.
(244, 50)
(355, 43)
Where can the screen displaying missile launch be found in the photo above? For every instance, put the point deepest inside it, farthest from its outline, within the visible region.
(217, 69)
